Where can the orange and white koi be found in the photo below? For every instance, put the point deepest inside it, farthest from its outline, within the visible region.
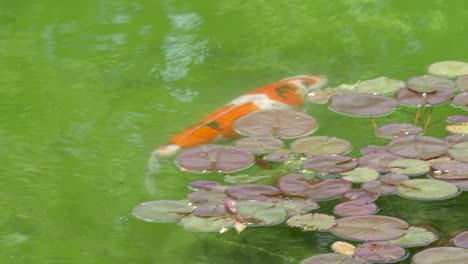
(285, 94)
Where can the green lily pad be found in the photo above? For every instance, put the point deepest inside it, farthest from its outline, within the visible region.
(312, 222)
(462, 83)
(427, 189)
(260, 213)
(449, 69)
(320, 145)
(441, 255)
(296, 206)
(324, 95)
(260, 145)
(415, 237)
(459, 151)
(162, 211)
(429, 83)
(360, 174)
(380, 85)
(244, 178)
(207, 224)
(410, 167)
(333, 258)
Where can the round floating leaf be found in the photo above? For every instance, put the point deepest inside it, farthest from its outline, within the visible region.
(454, 139)
(294, 185)
(311, 222)
(373, 150)
(370, 227)
(329, 189)
(162, 210)
(417, 147)
(277, 123)
(240, 179)
(378, 162)
(461, 100)
(207, 224)
(458, 129)
(461, 240)
(357, 104)
(360, 196)
(462, 83)
(461, 184)
(427, 189)
(398, 130)
(203, 185)
(277, 157)
(343, 248)
(333, 258)
(380, 252)
(252, 192)
(459, 151)
(415, 237)
(209, 158)
(209, 210)
(207, 197)
(410, 97)
(457, 119)
(450, 171)
(393, 178)
(258, 213)
(320, 145)
(378, 187)
(380, 85)
(410, 167)
(329, 163)
(260, 145)
(439, 255)
(296, 206)
(449, 69)
(361, 174)
(322, 96)
(355, 208)
(429, 83)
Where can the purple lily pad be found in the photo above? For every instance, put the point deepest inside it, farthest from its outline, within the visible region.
(320, 145)
(378, 187)
(257, 192)
(260, 145)
(277, 123)
(461, 240)
(398, 130)
(461, 100)
(294, 185)
(209, 158)
(360, 196)
(329, 189)
(378, 161)
(462, 83)
(445, 255)
(207, 197)
(209, 210)
(417, 147)
(457, 119)
(381, 252)
(409, 97)
(454, 139)
(461, 184)
(277, 157)
(329, 163)
(332, 258)
(355, 208)
(370, 227)
(373, 150)
(450, 171)
(203, 185)
(365, 105)
(429, 83)
(393, 178)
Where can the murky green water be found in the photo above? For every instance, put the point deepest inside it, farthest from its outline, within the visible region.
(89, 88)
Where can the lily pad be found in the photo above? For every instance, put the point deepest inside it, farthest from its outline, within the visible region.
(393, 178)
(449, 69)
(381, 252)
(438, 255)
(203, 185)
(370, 227)
(257, 192)
(364, 105)
(457, 119)
(417, 147)
(461, 240)
(329, 163)
(398, 130)
(311, 222)
(427, 189)
(207, 224)
(454, 139)
(450, 171)
(360, 196)
(207, 197)
(333, 258)
(410, 167)
(355, 208)
(462, 83)
(260, 145)
(429, 83)
(459, 151)
(277, 157)
(378, 161)
(277, 123)
(320, 145)
(329, 189)
(410, 97)
(461, 100)
(209, 210)
(373, 150)
(415, 237)
(260, 213)
(296, 205)
(360, 174)
(242, 179)
(209, 158)
(162, 210)
(294, 185)
(378, 187)
(458, 129)
(324, 95)
(380, 85)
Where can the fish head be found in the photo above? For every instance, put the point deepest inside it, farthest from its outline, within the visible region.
(306, 83)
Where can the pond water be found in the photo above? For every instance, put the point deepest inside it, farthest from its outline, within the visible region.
(89, 88)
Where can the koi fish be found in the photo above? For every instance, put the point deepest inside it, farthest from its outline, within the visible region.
(285, 94)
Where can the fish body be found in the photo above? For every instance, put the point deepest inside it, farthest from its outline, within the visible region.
(285, 94)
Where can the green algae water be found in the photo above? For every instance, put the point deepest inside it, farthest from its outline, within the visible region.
(89, 88)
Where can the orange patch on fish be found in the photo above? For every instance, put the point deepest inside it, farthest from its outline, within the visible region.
(219, 123)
